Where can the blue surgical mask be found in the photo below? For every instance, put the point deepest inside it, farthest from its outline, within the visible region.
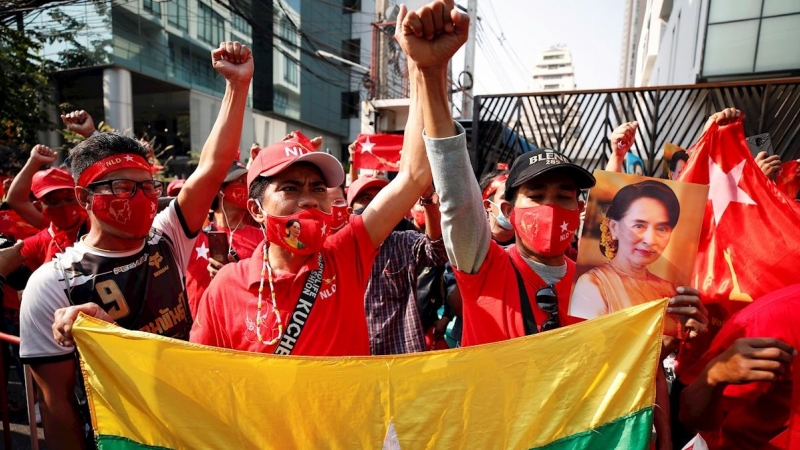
(502, 220)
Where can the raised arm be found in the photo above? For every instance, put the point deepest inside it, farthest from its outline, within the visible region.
(20, 190)
(234, 62)
(80, 122)
(464, 226)
(621, 141)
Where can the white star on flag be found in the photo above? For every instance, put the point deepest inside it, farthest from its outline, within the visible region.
(366, 146)
(564, 227)
(129, 158)
(324, 228)
(202, 251)
(723, 188)
(6, 217)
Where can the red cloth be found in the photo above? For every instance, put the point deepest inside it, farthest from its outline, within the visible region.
(756, 414)
(491, 302)
(337, 325)
(197, 276)
(44, 245)
(378, 152)
(748, 243)
(434, 343)
(787, 180)
(11, 224)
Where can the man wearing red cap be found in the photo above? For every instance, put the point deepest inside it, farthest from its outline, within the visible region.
(393, 318)
(229, 216)
(55, 191)
(309, 299)
(130, 267)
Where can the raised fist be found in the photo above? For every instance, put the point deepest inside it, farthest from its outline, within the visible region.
(622, 138)
(43, 155)
(431, 35)
(233, 61)
(79, 122)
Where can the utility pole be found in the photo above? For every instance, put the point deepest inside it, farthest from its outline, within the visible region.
(469, 60)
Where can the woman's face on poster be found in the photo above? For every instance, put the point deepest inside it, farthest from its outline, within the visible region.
(643, 232)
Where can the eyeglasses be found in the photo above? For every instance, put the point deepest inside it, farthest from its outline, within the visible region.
(127, 188)
(547, 300)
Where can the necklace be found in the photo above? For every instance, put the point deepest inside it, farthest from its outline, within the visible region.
(266, 269)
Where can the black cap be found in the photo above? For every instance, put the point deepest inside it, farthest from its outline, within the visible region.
(237, 170)
(543, 160)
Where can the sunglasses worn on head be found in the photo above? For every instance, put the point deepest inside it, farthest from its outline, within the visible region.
(547, 300)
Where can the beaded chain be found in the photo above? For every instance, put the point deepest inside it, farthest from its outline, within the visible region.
(267, 270)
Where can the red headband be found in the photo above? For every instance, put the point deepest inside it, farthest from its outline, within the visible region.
(110, 164)
(492, 188)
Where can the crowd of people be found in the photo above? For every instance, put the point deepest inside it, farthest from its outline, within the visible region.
(281, 257)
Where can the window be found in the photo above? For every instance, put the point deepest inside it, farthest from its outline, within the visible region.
(177, 15)
(280, 101)
(350, 104)
(240, 24)
(351, 6)
(351, 50)
(210, 25)
(288, 32)
(291, 71)
(554, 57)
(551, 87)
(153, 6)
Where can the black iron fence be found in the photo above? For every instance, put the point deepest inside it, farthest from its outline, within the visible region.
(578, 123)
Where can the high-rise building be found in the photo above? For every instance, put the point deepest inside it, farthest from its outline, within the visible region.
(632, 29)
(144, 66)
(557, 124)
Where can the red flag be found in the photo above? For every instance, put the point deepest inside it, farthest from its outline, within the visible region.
(787, 180)
(749, 242)
(378, 152)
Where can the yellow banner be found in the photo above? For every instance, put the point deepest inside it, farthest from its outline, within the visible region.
(516, 394)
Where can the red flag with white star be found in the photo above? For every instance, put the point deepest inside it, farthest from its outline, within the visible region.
(749, 241)
(378, 152)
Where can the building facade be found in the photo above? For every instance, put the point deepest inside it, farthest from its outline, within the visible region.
(632, 22)
(691, 41)
(143, 67)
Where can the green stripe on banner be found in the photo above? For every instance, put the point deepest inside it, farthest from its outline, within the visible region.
(633, 431)
(106, 442)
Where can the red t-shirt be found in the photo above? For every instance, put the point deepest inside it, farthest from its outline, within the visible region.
(491, 300)
(197, 277)
(11, 224)
(756, 414)
(36, 248)
(337, 325)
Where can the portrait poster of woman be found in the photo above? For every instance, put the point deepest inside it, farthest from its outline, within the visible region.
(638, 243)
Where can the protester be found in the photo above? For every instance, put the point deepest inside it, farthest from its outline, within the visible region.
(393, 318)
(264, 303)
(130, 267)
(493, 186)
(229, 216)
(63, 219)
(739, 394)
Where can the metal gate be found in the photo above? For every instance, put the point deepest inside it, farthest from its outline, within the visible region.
(578, 123)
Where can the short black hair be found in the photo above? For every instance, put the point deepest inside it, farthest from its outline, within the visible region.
(100, 146)
(258, 187)
(680, 155)
(489, 178)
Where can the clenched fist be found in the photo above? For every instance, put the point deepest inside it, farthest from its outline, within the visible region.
(233, 61)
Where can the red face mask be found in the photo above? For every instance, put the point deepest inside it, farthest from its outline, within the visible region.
(66, 216)
(236, 195)
(419, 217)
(303, 233)
(339, 217)
(134, 215)
(546, 229)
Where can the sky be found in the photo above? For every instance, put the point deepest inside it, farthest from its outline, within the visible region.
(592, 29)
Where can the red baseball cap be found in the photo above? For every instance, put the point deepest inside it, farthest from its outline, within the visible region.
(175, 186)
(47, 181)
(275, 158)
(361, 185)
